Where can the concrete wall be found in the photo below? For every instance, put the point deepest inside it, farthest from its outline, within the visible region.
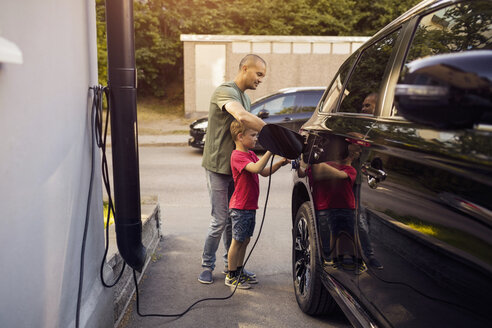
(291, 61)
(45, 168)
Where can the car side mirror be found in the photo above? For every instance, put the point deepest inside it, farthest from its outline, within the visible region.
(448, 91)
(263, 113)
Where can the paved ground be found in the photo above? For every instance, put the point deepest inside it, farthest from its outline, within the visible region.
(170, 284)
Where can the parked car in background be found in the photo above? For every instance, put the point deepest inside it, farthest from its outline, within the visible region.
(289, 107)
(411, 112)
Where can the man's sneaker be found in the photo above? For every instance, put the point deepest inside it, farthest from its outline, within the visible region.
(249, 273)
(205, 277)
(374, 263)
(239, 281)
(249, 279)
(246, 272)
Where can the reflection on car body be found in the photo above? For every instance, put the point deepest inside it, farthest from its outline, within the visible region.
(289, 107)
(417, 250)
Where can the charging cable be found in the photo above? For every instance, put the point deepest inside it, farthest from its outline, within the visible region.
(101, 143)
(210, 298)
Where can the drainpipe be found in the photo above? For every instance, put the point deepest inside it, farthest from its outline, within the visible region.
(124, 141)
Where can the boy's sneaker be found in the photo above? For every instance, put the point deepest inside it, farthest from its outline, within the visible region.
(205, 277)
(239, 281)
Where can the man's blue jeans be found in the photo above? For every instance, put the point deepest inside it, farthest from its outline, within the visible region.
(220, 189)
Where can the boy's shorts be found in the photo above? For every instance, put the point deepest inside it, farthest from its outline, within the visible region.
(243, 223)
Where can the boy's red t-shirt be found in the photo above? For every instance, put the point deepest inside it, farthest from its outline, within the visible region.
(246, 184)
(335, 193)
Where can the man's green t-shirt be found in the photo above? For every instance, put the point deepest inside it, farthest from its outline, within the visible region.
(218, 143)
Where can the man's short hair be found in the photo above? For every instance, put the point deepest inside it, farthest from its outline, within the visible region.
(251, 58)
(237, 128)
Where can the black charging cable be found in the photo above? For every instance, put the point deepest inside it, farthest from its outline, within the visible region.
(98, 137)
(101, 137)
(210, 298)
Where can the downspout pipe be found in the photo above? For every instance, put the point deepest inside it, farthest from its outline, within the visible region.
(124, 137)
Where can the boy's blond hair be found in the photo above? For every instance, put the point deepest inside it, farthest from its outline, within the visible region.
(237, 128)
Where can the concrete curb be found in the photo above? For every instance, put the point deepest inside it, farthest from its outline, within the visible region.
(124, 290)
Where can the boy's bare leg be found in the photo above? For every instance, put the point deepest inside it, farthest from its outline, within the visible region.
(233, 254)
(242, 253)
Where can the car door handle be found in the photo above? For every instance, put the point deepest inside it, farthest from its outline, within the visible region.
(374, 176)
(287, 119)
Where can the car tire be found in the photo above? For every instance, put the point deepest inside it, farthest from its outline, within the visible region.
(311, 295)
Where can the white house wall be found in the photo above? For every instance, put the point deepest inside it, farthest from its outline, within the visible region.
(45, 167)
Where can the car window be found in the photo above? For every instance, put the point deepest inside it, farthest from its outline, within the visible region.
(361, 92)
(457, 28)
(283, 104)
(329, 102)
(307, 101)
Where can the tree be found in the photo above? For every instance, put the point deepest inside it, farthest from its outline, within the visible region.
(159, 24)
(102, 49)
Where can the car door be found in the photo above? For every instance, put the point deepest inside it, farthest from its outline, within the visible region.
(337, 137)
(425, 199)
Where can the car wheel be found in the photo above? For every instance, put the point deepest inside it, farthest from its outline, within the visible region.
(311, 294)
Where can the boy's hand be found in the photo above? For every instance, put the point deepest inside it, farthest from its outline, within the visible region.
(302, 163)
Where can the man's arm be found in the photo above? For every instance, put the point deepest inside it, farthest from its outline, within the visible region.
(243, 116)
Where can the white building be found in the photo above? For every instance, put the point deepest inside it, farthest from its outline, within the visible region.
(48, 61)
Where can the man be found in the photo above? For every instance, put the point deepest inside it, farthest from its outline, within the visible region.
(369, 103)
(228, 102)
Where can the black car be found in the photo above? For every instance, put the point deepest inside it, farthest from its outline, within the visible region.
(411, 113)
(289, 107)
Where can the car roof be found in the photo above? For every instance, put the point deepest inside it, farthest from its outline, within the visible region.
(289, 90)
(295, 89)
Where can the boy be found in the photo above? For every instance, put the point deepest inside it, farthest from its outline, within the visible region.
(245, 167)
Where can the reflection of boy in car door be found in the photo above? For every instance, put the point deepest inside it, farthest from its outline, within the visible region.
(334, 203)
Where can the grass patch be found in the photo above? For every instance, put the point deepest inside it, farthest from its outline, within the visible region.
(105, 214)
(160, 117)
(149, 109)
(142, 130)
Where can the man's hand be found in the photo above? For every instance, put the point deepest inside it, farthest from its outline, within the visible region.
(243, 116)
